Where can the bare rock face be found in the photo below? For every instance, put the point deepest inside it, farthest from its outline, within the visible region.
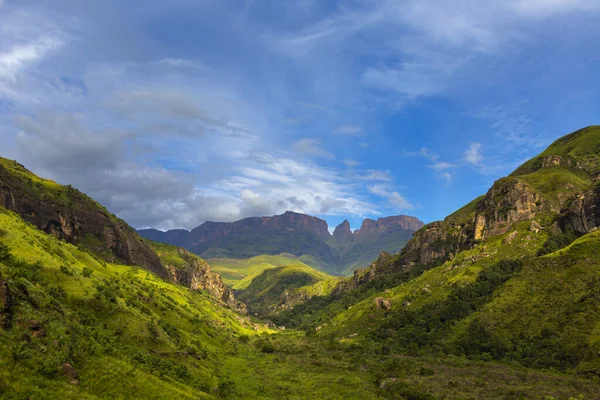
(510, 237)
(197, 275)
(6, 305)
(73, 216)
(505, 203)
(583, 214)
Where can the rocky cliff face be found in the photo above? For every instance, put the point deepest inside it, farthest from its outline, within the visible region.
(70, 215)
(287, 222)
(342, 232)
(583, 214)
(507, 202)
(545, 186)
(197, 275)
(297, 234)
(388, 224)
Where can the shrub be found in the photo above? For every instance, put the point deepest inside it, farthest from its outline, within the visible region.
(87, 272)
(66, 270)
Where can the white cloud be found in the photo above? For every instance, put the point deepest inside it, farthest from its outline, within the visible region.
(398, 201)
(440, 166)
(395, 199)
(18, 57)
(379, 190)
(311, 148)
(447, 176)
(473, 154)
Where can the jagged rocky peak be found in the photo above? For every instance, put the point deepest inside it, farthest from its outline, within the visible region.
(388, 224)
(342, 231)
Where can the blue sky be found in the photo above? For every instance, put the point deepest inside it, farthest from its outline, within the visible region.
(174, 113)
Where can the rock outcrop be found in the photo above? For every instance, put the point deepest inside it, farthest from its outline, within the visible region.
(197, 275)
(382, 304)
(583, 214)
(508, 201)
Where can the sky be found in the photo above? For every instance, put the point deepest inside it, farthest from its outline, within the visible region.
(175, 113)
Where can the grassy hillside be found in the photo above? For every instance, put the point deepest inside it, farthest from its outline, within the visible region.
(525, 293)
(129, 334)
(283, 287)
(238, 273)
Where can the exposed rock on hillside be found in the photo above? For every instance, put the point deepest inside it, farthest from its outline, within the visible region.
(507, 202)
(583, 214)
(70, 215)
(196, 274)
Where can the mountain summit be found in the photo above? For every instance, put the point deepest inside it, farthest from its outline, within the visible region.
(305, 236)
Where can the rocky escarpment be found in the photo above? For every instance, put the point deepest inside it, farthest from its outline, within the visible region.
(583, 213)
(70, 215)
(388, 224)
(196, 274)
(508, 201)
(297, 234)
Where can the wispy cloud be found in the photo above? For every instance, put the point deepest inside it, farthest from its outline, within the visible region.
(311, 148)
(473, 154)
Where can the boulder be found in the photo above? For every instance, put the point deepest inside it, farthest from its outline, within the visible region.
(70, 373)
(35, 325)
(39, 334)
(382, 303)
(511, 236)
(535, 227)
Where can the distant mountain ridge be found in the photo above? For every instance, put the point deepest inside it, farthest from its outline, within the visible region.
(305, 236)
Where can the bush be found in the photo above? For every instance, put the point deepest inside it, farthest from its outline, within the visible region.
(66, 270)
(87, 272)
(58, 292)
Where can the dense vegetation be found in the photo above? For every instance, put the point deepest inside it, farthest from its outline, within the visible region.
(511, 314)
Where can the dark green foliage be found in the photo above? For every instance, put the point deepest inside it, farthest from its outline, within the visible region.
(57, 292)
(87, 272)
(226, 387)
(66, 270)
(319, 310)
(108, 290)
(557, 242)
(416, 332)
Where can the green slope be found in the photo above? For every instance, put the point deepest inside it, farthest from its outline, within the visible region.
(129, 334)
(500, 296)
(238, 273)
(107, 320)
(284, 287)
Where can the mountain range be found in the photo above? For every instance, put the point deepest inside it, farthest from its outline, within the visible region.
(304, 236)
(500, 300)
